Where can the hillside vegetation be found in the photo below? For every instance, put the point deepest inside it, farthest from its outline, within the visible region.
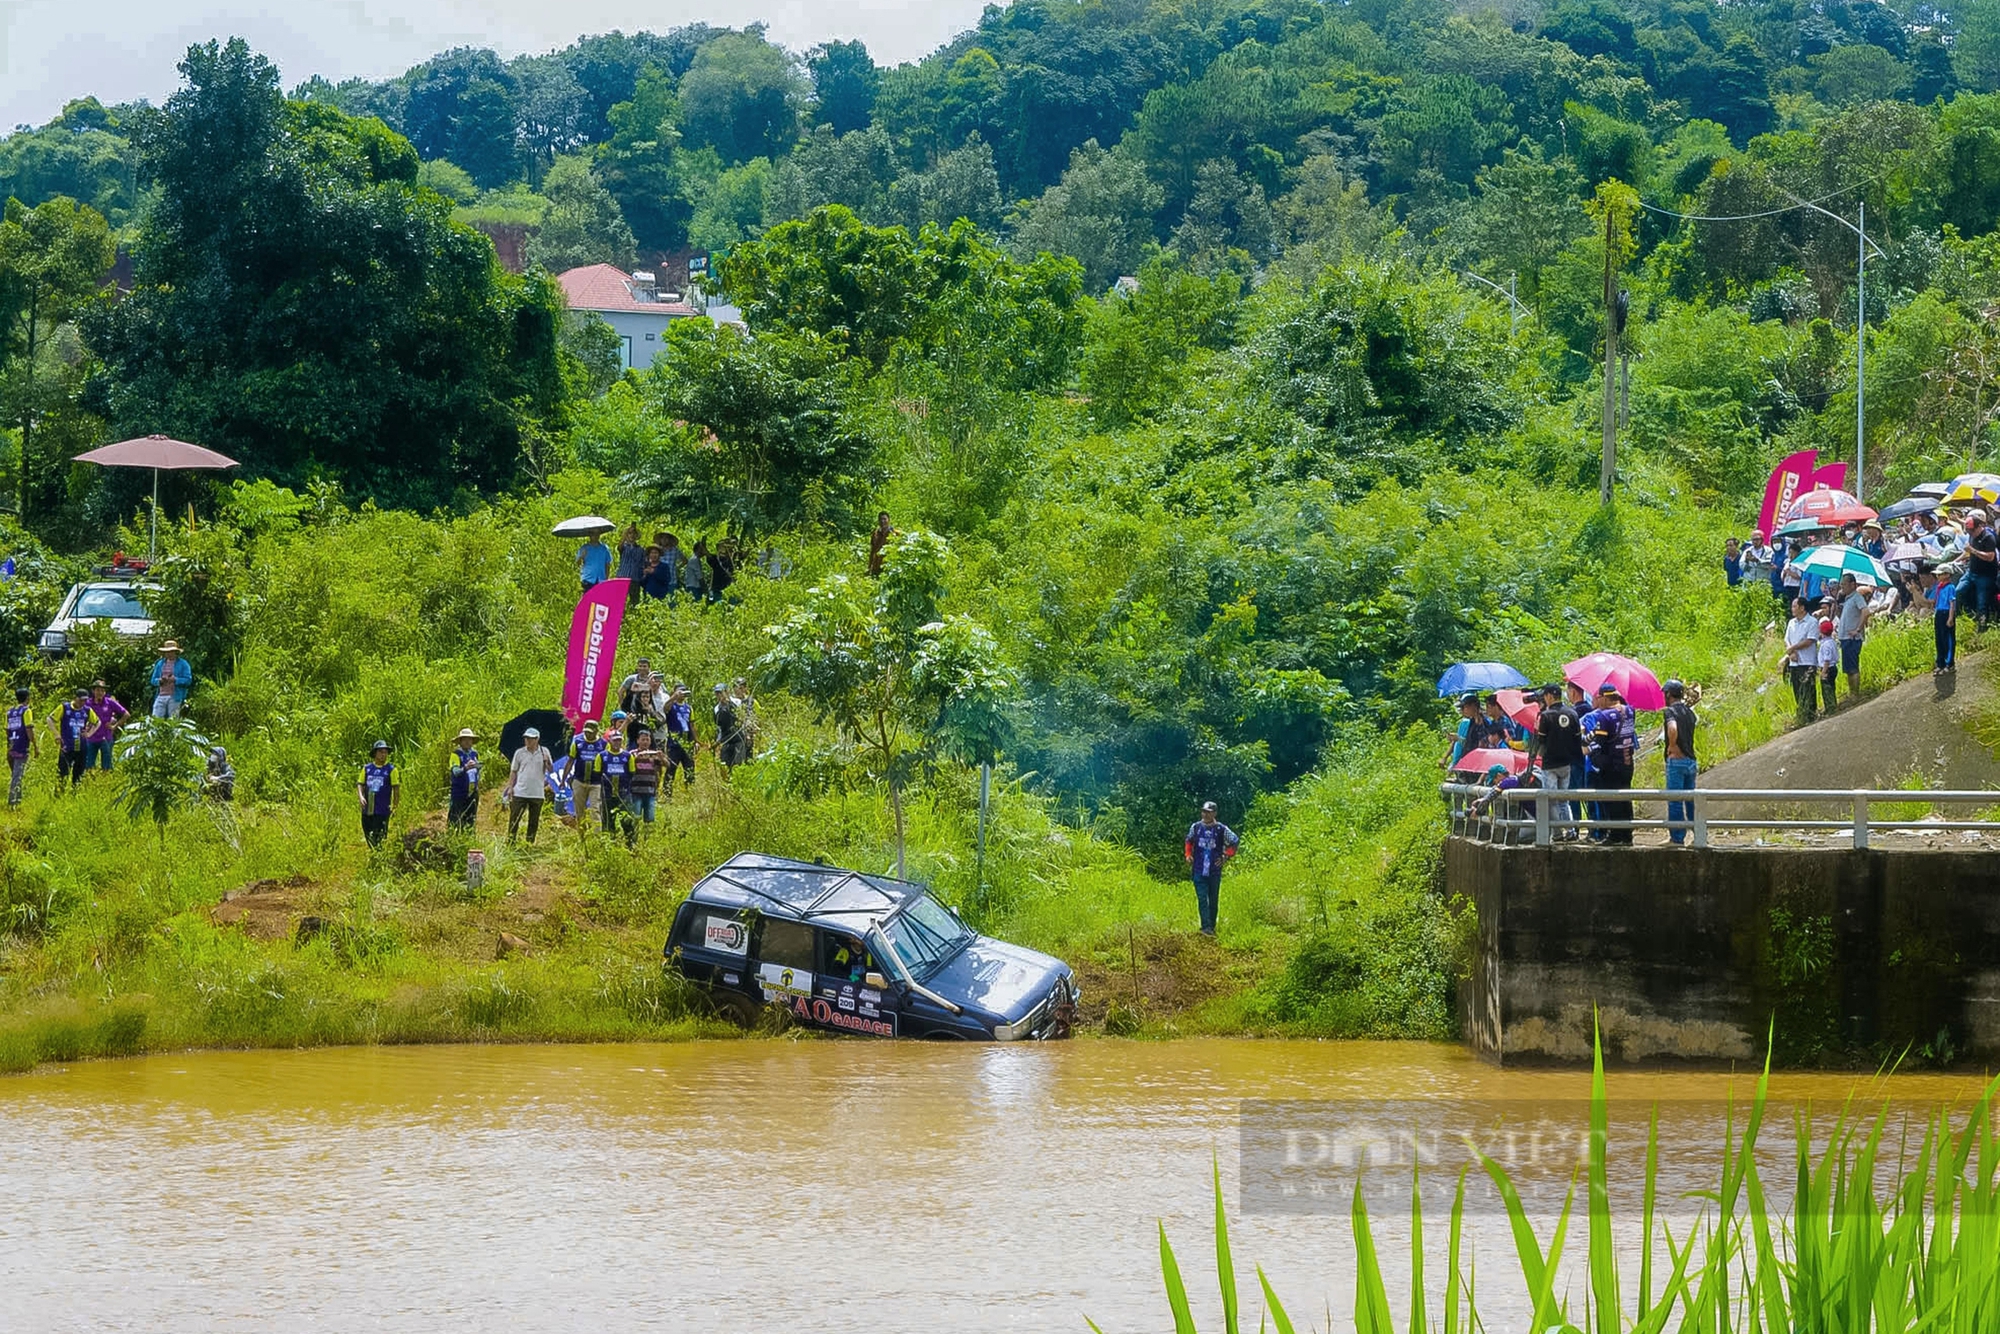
(1212, 533)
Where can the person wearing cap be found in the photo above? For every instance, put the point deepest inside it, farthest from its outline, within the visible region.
(527, 784)
(1871, 540)
(218, 781)
(464, 774)
(1209, 844)
(1466, 740)
(1828, 662)
(1677, 727)
(1613, 743)
(681, 740)
(20, 742)
(170, 680)
(584, 751)
(110, 713)
(614, 778)
(1853, 618)
(635, 696)
(75, 721)
(377, 793)
(1560, 739)
(1943, 598)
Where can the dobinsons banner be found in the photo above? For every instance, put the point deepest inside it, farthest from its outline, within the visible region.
(593, 643)
(1788, 481)
(1831, 476)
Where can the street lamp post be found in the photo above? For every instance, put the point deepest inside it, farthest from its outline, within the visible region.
(1515, 308)
(1861, 248)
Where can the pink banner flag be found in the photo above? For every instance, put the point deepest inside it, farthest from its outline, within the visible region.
(1832, 476)
(1788, 481)
(593, 643)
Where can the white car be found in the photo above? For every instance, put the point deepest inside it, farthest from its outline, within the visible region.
(120, 603)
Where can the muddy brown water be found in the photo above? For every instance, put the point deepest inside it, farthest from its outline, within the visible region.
(835, 1185)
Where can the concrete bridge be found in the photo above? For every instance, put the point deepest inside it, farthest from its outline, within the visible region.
(1854, 936)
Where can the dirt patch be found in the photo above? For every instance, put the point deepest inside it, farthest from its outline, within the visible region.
(266, 909)
(1151, 975)
(1923, 730)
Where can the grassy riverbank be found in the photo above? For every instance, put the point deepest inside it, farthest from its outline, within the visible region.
(339, 625)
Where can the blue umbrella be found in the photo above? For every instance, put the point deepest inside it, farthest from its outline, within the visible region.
(1464, 676)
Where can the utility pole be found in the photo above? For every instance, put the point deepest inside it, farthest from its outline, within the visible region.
(1861, 352)
(1610, 471)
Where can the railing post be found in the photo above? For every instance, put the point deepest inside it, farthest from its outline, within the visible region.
(1542, 805)
(1861, 819)
(1700, 809)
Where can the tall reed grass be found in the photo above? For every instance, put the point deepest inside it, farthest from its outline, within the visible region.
(1863, 1246)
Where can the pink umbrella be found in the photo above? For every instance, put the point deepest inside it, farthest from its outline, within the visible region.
(156, 452)
(1634, 683)
(1516, 705)
(1479, 761)
(1829, 506)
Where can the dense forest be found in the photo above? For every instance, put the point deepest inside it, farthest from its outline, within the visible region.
(1244, 360)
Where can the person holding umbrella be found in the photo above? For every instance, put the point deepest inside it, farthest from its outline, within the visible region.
(527, 784)
(1613, 742)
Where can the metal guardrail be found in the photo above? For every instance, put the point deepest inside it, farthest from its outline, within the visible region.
(1563, 814)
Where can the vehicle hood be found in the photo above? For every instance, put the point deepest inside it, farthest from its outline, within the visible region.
(123, 625)
(1002, 980)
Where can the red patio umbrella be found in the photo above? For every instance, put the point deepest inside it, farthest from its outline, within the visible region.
(1516, 705)
(1632, 680)
(156, 452)
(1479, 761)
(1829, 506)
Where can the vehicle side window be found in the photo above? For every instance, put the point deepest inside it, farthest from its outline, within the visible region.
(788, 944)
(838, 954)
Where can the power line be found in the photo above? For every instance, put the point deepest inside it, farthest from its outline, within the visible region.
(1767, 213)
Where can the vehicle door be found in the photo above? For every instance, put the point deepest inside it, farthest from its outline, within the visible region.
(848, 997)
(783, 955)
(714, 944)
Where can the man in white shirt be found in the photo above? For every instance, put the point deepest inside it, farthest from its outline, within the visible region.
(527, 780)
(1801, 660)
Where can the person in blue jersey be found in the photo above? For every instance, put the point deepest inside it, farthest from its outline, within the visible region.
(377, 794)
(20, 742)
(1209, 844)
(583, 753)
(464, 774)
(75, 721)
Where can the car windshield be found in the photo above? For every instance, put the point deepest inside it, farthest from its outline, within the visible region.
(924, 934)
(113, 604)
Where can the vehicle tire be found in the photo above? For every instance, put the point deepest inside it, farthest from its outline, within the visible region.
(735, 1007)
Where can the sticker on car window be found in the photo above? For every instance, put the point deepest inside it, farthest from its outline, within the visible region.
(728, 935)
(780, 982)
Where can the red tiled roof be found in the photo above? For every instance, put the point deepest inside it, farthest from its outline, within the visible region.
(608, 287)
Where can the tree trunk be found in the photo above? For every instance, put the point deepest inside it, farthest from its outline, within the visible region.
(896, 808)
(27, 414)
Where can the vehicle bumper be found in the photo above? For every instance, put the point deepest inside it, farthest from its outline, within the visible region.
(1054, 1016)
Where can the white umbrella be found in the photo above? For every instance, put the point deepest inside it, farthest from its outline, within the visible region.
(584, 525)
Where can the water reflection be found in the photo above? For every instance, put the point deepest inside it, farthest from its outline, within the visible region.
(834, 1184)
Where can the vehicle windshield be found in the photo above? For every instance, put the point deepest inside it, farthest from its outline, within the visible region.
(923, 935)
(111, 604)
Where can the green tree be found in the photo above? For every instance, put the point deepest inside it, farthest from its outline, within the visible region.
(1975, 53)
(460, 105)
(53, 258)
(453, 182)
(583, 224)
(729, 208)
(1140, 348)
(1849, 75)
(768, 441)
(637, 164)
(1101, 211)
(160, 765)
(301, 306)
(844, 79)
(961, 184)
(85, 153)
(904, 685)
(1528, 211)
(741, 97)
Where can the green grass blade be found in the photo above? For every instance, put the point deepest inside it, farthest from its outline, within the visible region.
(1177, 1299)
(1371, 1300)
(1452, 1272)
(1419, 1318)
(1603, 1258)
(1224, 1270)
(1279, 1320)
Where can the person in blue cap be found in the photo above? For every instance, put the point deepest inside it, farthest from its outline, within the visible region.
(377, 792)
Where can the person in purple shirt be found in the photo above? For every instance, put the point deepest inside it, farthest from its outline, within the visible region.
(110, 713)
